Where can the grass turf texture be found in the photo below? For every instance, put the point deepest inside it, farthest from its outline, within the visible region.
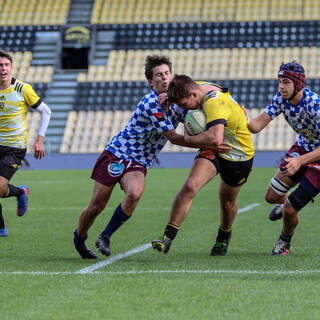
(184, 284)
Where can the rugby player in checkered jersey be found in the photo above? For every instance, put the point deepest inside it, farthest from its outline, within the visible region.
(301, 109)
(128, 155)
(15, 98)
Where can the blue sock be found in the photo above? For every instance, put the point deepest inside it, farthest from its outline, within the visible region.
(117, 219)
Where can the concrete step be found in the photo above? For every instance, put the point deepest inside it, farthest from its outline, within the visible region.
(60, 107)
(57, 99)
(63, 91)
(98, 61)
(43, 47)
(47, 37)
(65, 76)
(54, 131)
(63, 84)
(57, 123)
(59, 115)
(49, 54)
(101, 54)
(43, 62)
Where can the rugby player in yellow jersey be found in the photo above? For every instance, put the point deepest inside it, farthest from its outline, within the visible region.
(225, 123)
(15, 98)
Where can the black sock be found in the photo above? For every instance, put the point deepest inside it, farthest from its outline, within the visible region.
(13, 191)
(285, 238)
(223, 235)
(2, 225)
(171, 231)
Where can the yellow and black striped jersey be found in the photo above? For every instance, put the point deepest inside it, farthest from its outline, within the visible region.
(220, 107)
(14, 103)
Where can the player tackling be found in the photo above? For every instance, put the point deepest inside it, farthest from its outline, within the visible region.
(128, 155)
(225, 123)
(301, 109)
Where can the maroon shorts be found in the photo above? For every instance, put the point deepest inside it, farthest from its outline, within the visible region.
(109, 169)
(311, 170)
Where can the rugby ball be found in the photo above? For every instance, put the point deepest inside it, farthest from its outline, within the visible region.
(195, 122)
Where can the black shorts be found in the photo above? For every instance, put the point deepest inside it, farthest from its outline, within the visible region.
(10, 160)
(233, 173)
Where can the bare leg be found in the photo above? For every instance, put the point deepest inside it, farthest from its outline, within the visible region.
(290, 219)
(133, 184)
(201, 173)
(228, 205)
(100, 197)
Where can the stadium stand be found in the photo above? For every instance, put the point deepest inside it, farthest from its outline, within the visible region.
(236, 43)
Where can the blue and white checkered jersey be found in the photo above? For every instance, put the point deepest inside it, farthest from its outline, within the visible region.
(303, 118)
(141, 140)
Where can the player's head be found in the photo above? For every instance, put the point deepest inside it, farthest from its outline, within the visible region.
(295, 73)
(184, 92)
(158, 72)
(5, 67)
(5, 54)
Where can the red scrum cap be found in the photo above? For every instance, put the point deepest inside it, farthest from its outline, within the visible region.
(295, 72)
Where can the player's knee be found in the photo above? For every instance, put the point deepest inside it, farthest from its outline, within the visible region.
(288, 209)
(133, 196)
(228, 206)
(190, 187)
(94, 209)
(276, 191)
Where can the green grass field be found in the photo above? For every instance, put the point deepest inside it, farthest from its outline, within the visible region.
(43, 277)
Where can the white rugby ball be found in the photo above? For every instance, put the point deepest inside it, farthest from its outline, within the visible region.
(195, 122)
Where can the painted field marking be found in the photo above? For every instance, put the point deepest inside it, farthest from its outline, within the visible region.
(247, 208)
(141, 209)
(114, 259)
(136, 250)
(139, 272)
(108, 261)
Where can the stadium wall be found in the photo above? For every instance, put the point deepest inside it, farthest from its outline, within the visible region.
(166, 160)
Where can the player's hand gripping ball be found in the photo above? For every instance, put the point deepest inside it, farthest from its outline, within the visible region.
(195, 122)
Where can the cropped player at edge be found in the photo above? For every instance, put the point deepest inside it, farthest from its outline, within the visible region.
(301, 109)
(225, 123)
(128, 155)
(15, 98)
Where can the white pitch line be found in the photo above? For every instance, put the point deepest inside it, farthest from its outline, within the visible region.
(114, 258)
(136, 250)
(117, 257)
(139, 272)
(247, 208)
(141, 209)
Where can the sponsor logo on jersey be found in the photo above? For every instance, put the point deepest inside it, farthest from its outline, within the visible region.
(115, 169)
(159, 116)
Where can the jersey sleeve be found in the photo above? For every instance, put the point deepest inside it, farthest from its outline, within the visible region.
(215, 113)
(159, 119)
(30, 97)
(274, 108)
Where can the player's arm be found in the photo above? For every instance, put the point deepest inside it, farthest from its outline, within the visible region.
(178, 139)
(38, 147)
(255, 125)
(295, 163)
(211, 137)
